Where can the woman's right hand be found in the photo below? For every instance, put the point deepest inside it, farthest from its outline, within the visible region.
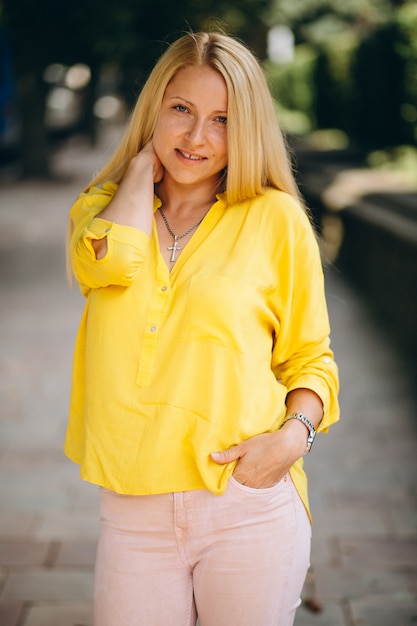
(149, 151)
(132, 204)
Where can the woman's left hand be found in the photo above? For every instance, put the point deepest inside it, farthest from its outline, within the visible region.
(265, 459)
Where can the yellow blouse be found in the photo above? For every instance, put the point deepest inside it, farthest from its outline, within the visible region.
(170, 366)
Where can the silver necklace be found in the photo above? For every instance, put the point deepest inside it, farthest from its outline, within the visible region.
(175, 246)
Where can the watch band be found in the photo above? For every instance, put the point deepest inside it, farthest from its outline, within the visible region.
(311, 430)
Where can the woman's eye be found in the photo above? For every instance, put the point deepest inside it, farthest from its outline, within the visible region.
(181, 108)
(221, 119)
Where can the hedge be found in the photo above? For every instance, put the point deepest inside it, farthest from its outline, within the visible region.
(366, 87)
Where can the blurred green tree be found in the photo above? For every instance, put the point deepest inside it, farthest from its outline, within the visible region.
(127, 34)
(315, 21)
(362, 60)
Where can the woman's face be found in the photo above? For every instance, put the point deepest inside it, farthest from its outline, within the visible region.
(190, 137)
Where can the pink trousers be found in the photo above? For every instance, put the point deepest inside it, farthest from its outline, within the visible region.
(239, 559)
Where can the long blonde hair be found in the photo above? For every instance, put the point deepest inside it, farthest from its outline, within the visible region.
(257, 153)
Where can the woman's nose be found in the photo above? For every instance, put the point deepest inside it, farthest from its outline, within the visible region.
(196, 132)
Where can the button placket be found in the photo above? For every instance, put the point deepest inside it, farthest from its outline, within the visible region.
(157, 308)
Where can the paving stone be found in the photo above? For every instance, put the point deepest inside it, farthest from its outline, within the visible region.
(343, 583)
(332, 615)
(81, 494)
(10, 614)
(378, 552)
(360, 498)
(66, 524)
(350, 521)
(48, 585)
(74, 614)
(30, 491)
(19, 553)
(404, 520)
(76, 554)
(394, 610)
(324, 548)
(29, 458)
(16, 524)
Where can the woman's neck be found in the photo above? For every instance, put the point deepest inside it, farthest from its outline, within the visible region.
(186, 199)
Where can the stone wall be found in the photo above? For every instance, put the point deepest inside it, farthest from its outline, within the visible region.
(368, 223)
(379, 253)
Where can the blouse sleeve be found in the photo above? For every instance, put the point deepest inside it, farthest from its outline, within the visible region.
(301, 356)
(126, 246)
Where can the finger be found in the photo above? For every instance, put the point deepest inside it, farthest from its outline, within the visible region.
(227, 456)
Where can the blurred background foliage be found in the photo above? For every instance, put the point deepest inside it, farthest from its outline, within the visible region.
(354, 68)
(346, 66)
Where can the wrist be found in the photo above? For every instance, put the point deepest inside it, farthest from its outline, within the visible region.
(147, 163)
(301, 421)
(295, 436)
(142, 164)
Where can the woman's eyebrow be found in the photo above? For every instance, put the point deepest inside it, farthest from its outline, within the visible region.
(192, 104)
(179, 98)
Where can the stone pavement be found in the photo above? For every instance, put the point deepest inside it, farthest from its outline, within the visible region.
(363, 474)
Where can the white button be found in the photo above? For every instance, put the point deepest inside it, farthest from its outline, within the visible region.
(326, 359)
(152, 329)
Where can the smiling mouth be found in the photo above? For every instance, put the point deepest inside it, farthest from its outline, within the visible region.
(191, 157)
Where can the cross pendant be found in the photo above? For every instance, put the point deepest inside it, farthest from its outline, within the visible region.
(175, 247)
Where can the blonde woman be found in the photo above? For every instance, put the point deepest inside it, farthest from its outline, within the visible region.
(202, 367)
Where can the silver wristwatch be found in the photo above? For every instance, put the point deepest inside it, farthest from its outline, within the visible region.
(311, 430)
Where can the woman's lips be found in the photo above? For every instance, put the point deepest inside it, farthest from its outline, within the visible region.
(189, 156)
